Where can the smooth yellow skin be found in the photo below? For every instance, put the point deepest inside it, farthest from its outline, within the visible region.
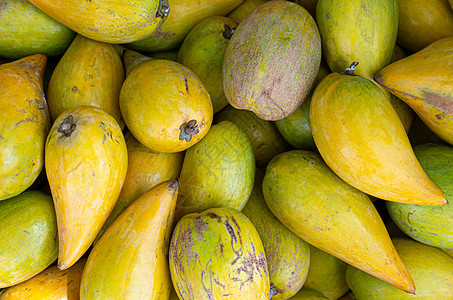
(361, 138)
(423, 80)
(314, 203)
(218, 254)
(287, 255)
(130, 260)
(108, 21)
(24, 123)
(244, 9)
(159, 96)
(86, 171)
(184, 15)
(358, 30)
(22, 37)
(430, 267)
(29, 244)
(145, 170)
(422, 22)
(50, 284)
(133, 58)
(89, 73)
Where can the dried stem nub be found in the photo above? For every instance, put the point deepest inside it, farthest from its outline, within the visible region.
(228, 33)
(351, 68)
(187, 130)
(67, 126)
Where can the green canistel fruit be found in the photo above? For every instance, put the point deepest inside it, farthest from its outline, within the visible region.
(218, 253)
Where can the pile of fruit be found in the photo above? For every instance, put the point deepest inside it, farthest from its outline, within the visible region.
(226, 149)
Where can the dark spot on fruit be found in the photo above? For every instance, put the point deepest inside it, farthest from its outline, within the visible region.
(328, 16)
(75, 89)
(214, 216)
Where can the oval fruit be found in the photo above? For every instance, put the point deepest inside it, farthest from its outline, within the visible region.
(24, 123)
(29, 244)
(244, 9)
(218, 252)
(86, 164)
(272, 60)
(165, 106)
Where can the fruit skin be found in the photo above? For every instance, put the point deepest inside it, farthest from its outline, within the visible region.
(215, 253)
(422, 80)
(217, 171)
(131, 59)
(272, 60)
(203, 51)
(86, 169)
(308, 294)
(49, 284)
(25, 123)
(244, 9)
(107, 21)
(422, 22)
(287, 255)
(21, 37)
(427, 224)
(158, 98)
(363, 31)
(89, 73)
(361, 138)
(130, 260)
(29, 244)
(314, 203)
(429, 267)
(184, 15)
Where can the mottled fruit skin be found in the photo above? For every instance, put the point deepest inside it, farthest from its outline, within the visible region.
(106, 20)
(29, 243)
(272, 60)
(358, 30)
(158, 99)
(361, 138)
(287, 255)
(86, 167)
(130, 260)
(430, 267)
(432, 225)
(24, 123)
(217, 171)
(244, 9)
(218, 253)
(22, 37)
(314, 203)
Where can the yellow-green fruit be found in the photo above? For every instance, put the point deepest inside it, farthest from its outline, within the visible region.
(431, 268)
(24, 124)
(244, 9)
(361, 138)
(308, 294)
(264, 136)
(86, 164)
(183, 16)
(89, 73)
(314, 203)
(203, 51)
(272, 60)
(26, 30)
(29, 244)
(218, 171)
(431, 225)
(327, 274)
(165, 106)
(422, 22)
(287, 255)
(170, 54)
(130, 260)
(218, 253)
(131, 59)
(309, 5)
(423, 81)
(50, 284)
(108, 21)
(358, 30)
(145, 169)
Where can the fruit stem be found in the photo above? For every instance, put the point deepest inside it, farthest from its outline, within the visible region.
(350, 70)
(67, 126)
(163, 10)
(274, 291)
(187, 130)
(228, 33)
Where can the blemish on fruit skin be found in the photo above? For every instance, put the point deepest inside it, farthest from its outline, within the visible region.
(328, 16)
(75, 89)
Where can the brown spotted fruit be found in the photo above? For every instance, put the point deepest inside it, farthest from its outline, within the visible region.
(272, 60)
(361, 138)
(218, 254)
(287, 255)
(322, 209)
(424, 81)
(130, 259)
(86, 164)
(165, 105)
(24, 123)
